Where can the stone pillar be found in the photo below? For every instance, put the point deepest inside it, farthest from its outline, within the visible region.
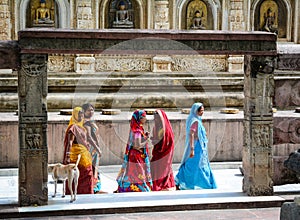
(33, 152)
(161, 20)
(84, 15)
(297, 23)
(84, 63)
(5, 24)
(258, 125)
(236, 16)
(236, 23)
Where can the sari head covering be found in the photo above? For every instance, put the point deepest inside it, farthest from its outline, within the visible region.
(167, 139)
(135, 126)
(162, 154)
(192, 118)
(135, 123)
(74, 118)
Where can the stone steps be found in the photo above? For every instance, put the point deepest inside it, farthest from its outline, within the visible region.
(132, 100)
(133, 90)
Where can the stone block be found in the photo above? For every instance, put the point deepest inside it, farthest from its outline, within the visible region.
(85, 64)
(161, 64)
(290, 211)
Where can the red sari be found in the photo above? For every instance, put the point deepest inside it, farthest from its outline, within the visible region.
(79, 146)
(162, 153)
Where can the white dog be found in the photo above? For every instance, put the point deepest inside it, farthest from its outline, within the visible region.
(63, 172)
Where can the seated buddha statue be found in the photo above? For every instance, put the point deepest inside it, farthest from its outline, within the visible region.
(42, 14)
(197, 21)
(269, 22)
(122, 18)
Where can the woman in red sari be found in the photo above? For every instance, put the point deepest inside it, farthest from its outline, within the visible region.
(162, 153)
(75, 143)
(135, 174)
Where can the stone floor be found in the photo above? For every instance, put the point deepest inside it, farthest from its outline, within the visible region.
(228, 195)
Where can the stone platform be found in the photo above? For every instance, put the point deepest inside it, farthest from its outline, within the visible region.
(228, 195)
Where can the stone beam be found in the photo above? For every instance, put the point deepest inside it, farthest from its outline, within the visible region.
(146, 42)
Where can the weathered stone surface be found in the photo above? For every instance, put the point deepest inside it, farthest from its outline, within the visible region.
(287, 130)
(146, 42)
(258, 126)
(290, 211)
(281, 174)
(287, 94)
(293, 162)
(33, 158)
(9, 55)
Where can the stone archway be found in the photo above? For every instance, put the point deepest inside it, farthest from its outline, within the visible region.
(31, 52)
(138, 8)
(284, 6)
(213, 7)
(63, 10)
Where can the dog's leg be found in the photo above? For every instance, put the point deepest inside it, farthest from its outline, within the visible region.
(55, 188)
(70, 181)
(64, 189)
(76, 176)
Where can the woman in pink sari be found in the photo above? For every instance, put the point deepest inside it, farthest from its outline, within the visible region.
(162, 153)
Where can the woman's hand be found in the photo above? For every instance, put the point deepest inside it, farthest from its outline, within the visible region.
(192, 152)
(99, 151)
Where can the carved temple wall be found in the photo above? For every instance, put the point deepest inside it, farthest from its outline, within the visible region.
(280, 16)
(196, 15)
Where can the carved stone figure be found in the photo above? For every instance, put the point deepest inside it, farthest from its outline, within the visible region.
(42, 14)
(123, 17)
(269, 22)
(197, 21)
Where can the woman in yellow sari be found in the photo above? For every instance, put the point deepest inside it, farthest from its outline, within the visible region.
(75, 143)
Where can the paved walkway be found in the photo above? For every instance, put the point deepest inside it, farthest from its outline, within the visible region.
(228, 195)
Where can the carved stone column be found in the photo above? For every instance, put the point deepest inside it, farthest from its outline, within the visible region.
(161, 18)
(33, 157)
(84, 14)
(5, 24)
(236, 23)
(236, 17)
(258, 125)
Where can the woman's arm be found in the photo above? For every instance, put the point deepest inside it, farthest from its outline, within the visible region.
(92, 141)
(71, 138)
(193, 130)
(138, 144)
(192, 136)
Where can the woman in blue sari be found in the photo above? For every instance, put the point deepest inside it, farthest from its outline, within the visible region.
(195, 171)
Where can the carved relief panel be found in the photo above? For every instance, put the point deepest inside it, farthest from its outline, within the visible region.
(41, 13)
(271, 16)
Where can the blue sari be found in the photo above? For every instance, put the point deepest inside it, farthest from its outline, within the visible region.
(195, 172)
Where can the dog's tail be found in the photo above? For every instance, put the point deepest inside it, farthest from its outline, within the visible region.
(78, 159)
